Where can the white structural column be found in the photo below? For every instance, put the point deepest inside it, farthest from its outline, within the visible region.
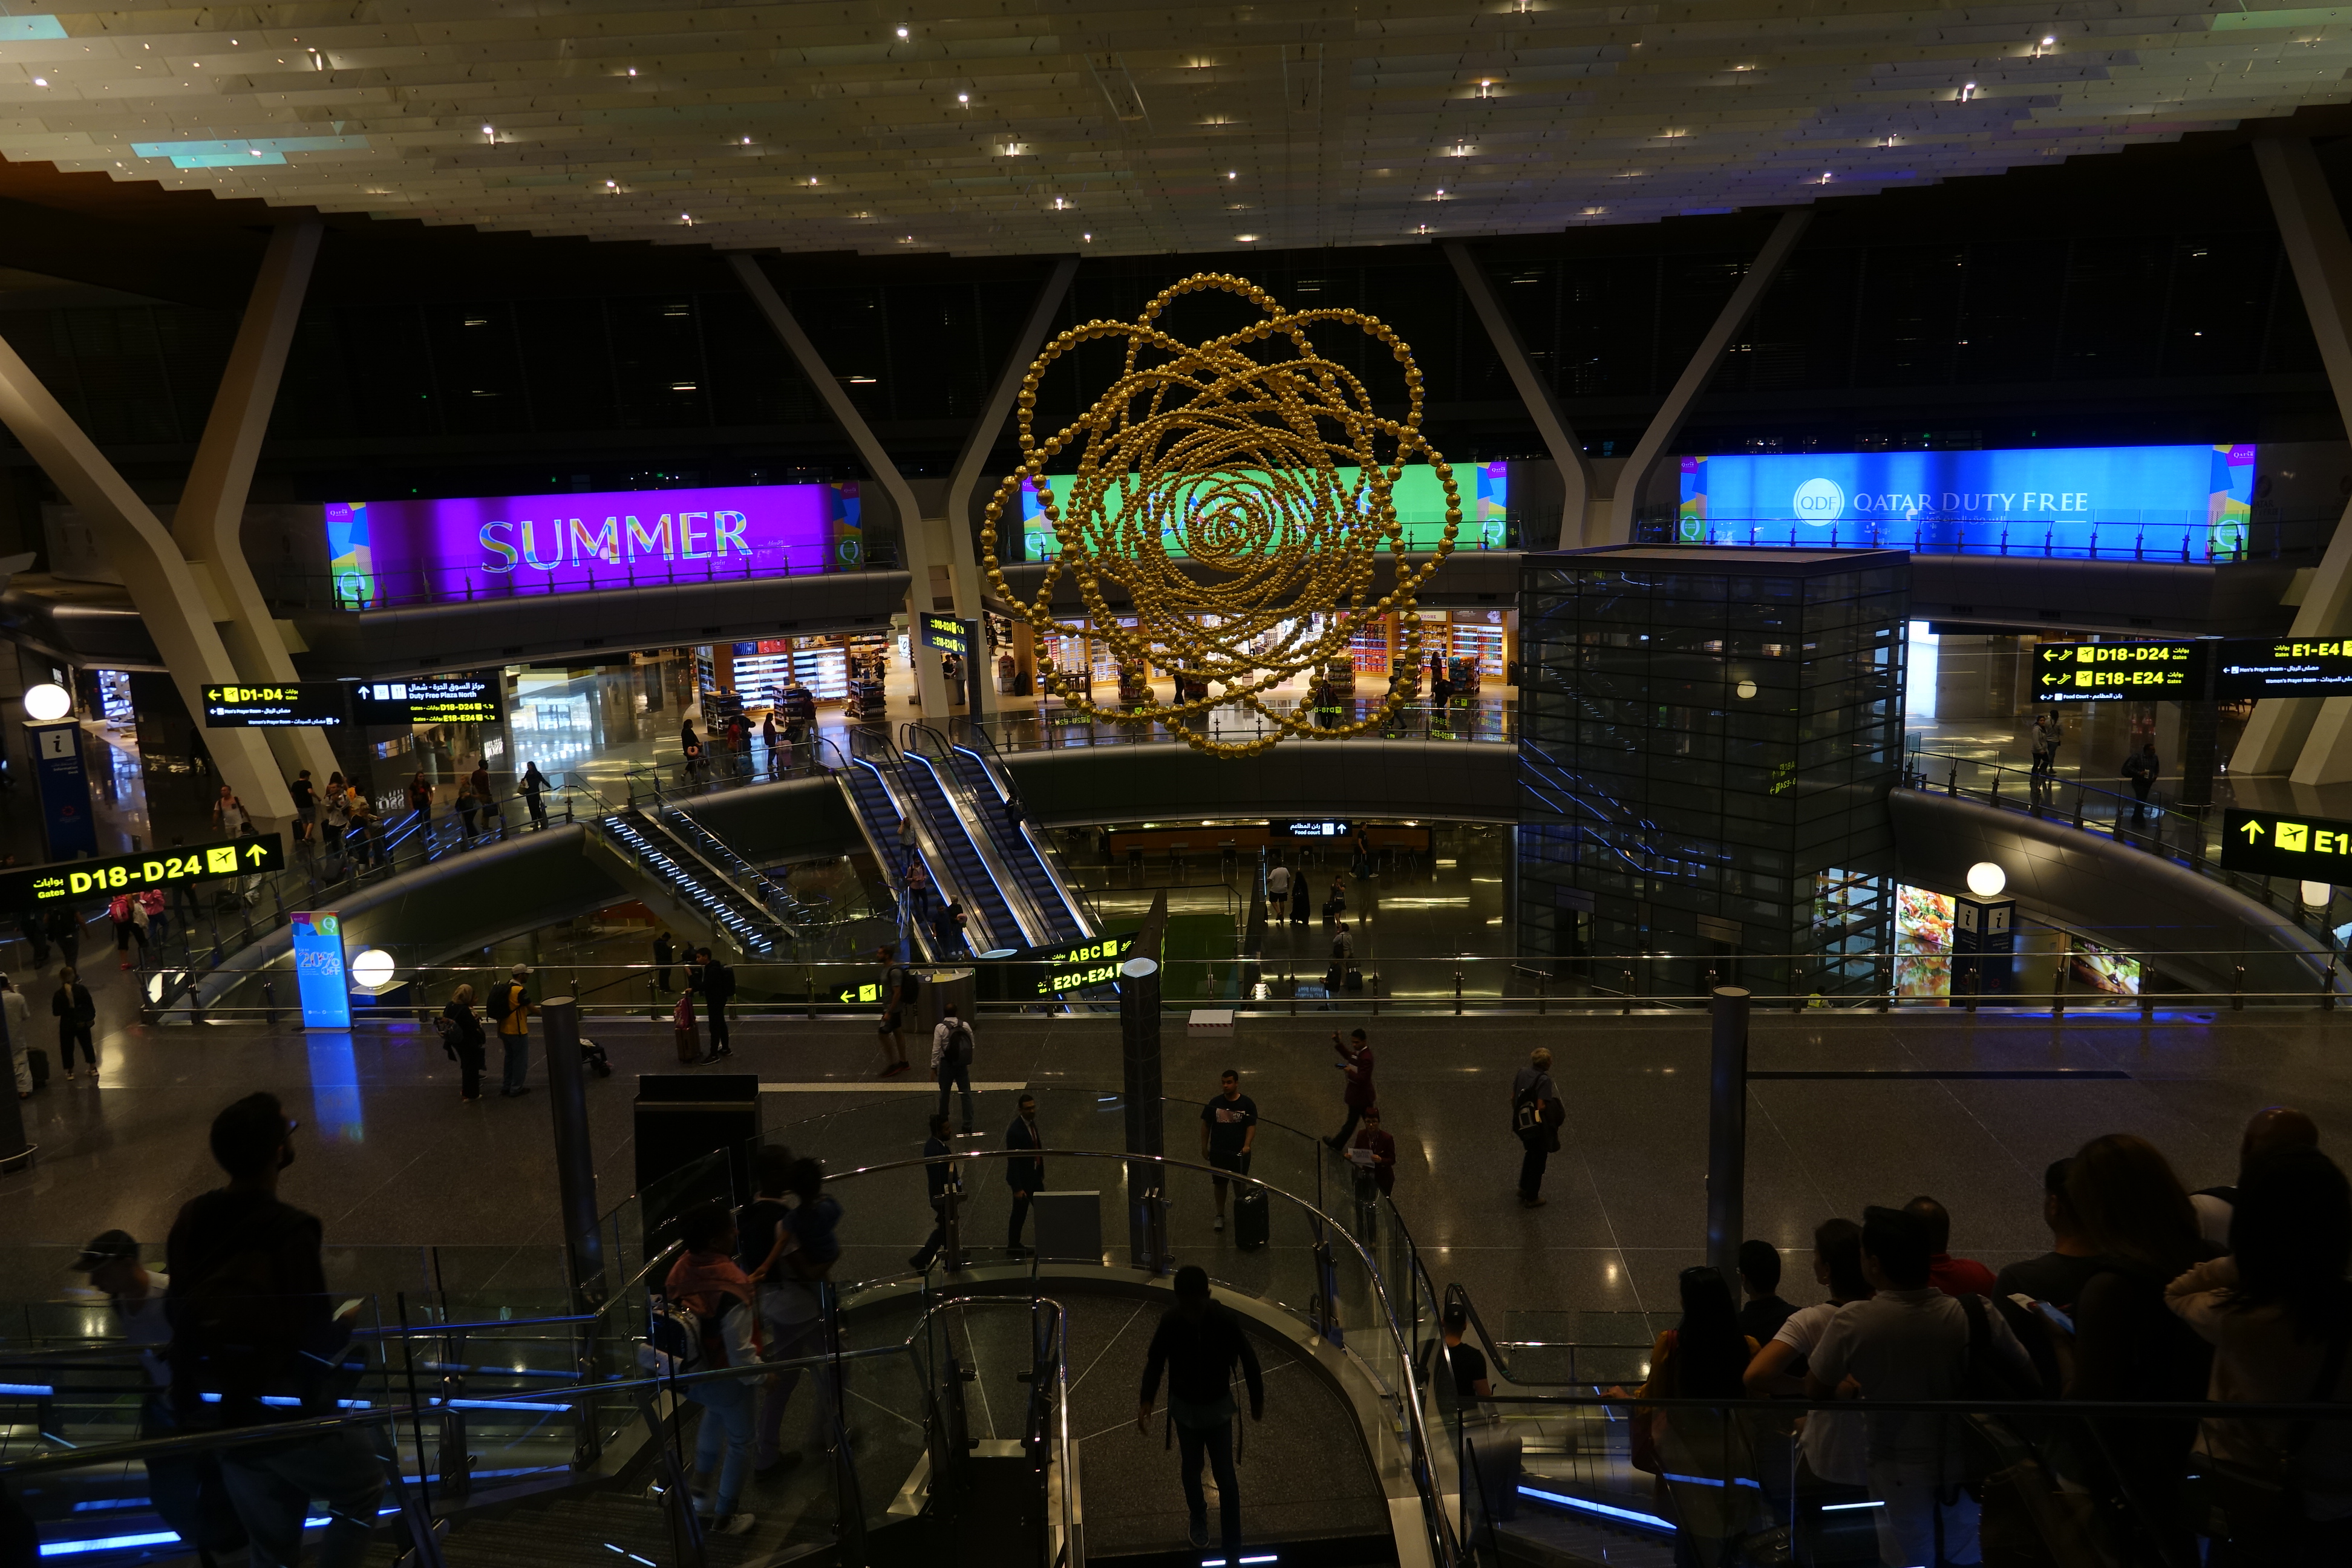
(1558, 439)
(208, 525)
(1668, 421)
(2309, 737)
(165, 592)
(931, 685)
(978, 442)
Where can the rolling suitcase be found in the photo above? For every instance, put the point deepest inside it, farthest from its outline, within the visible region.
(1250, 1222)
(682, 1025)
(37, 1062)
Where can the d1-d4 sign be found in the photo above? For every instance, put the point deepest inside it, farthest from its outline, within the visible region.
(2267, 844)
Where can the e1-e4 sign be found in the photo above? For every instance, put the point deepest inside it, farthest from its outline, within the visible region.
(2272, 843)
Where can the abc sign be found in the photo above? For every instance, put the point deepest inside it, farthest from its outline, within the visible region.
(1819, 500)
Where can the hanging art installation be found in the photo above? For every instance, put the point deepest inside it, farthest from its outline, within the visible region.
(1240, 490)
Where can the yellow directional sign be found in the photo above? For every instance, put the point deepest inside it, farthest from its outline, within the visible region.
(2118, 671)
(2266, 843)
(69, 881)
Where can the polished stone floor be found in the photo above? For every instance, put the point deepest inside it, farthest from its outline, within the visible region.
(396, 1165)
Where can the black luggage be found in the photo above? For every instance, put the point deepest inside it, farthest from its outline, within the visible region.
(1249, 1218)
(1355, 981)
(37, 1061)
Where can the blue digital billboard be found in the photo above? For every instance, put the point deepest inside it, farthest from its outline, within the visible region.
(320, 978)
(2173, 502)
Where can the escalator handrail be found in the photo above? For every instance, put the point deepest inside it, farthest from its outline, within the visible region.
(750, 902)
(948, 849)
(1049, 854)
(1058, 919)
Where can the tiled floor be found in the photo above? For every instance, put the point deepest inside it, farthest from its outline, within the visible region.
(390, 1159)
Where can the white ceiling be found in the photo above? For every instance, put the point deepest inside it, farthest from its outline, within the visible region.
(1155, 127)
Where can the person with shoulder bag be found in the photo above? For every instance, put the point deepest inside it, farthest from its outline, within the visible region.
(462, 1037)
(1536, 1114)
(514, 1031)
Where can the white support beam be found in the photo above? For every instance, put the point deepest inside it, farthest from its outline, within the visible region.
(979, 441)
(208, 525)
(931, 685)
(1558, 439)
(165, 592)
(2310, 738)
(1668, 422)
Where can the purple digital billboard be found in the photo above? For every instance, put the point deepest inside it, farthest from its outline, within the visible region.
(384, 551)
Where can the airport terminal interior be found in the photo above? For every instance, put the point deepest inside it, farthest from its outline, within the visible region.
(1508, 787)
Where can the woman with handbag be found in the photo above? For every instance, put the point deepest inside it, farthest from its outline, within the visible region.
(2279, 1316)
(1700, 1454)
(461, 1032)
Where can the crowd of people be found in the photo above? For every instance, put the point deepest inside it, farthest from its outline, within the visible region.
(2149, 1295)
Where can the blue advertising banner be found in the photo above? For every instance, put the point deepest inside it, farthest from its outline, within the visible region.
(62, 781)
(2172, 502)
(319, 974)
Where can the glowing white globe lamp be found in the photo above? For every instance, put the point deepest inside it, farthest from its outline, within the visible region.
(1986, 879)
(373, 970)
(47, 702)
(2318, 895)
(1746, 689)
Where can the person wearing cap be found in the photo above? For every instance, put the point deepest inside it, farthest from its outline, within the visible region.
(514, 1010)
(184, 1488)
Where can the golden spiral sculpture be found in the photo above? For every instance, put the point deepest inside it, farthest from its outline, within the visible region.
(1208, 483)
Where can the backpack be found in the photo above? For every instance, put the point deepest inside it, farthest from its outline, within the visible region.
(1527, 1112)
(960, 1043)
(678, 1331)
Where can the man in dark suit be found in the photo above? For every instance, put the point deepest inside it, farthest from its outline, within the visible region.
(716, 984)
(1023, 1176)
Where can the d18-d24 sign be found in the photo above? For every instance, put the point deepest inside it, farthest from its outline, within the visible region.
(2266, 843)
(2118, 671)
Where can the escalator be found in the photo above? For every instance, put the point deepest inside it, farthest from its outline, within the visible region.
(993, 925)
(877, 810)
(680, 875)
(1055, 910)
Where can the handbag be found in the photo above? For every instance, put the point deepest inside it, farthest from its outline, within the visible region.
(689, 1044)
(2262, 1505)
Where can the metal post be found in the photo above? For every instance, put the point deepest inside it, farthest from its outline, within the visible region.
(1139, 1033)
(1726, 1133)
(575, 1161)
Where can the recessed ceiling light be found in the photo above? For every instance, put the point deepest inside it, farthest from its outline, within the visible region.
(1089, 239)
(902, 32)
(1232, 175)
(963, 98)
(1246, 238)
(40, 81)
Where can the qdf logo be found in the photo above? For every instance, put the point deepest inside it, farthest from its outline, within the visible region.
(1819, 500)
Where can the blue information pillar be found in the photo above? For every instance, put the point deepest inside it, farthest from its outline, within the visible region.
(326, 989)
(62, 780)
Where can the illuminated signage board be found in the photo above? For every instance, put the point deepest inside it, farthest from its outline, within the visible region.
(317, 702)
(513, 544)
(71, 880)
(2155, 499)
(319, 977)
(2119, 672)
(946, 634)
(429, 699)
(1325, 828)
(1418, 496)
(2316, 666)
(1075, 966)
(2266, 844)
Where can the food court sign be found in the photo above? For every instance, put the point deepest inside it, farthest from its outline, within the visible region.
(405, 549)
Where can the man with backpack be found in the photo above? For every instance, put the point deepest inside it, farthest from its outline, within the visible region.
(1535, 1116)
(1911, 1342)
(252, 1322)
(513, 1009)
(952, 1053)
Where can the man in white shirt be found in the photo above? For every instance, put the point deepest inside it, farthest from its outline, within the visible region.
(952, 1053)
(1909, 1342)
(1278, 890)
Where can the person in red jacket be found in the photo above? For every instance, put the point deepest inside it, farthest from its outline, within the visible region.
(1952, 1276)
(1356, 1061)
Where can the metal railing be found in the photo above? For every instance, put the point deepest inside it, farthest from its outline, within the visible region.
(2171, 537)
